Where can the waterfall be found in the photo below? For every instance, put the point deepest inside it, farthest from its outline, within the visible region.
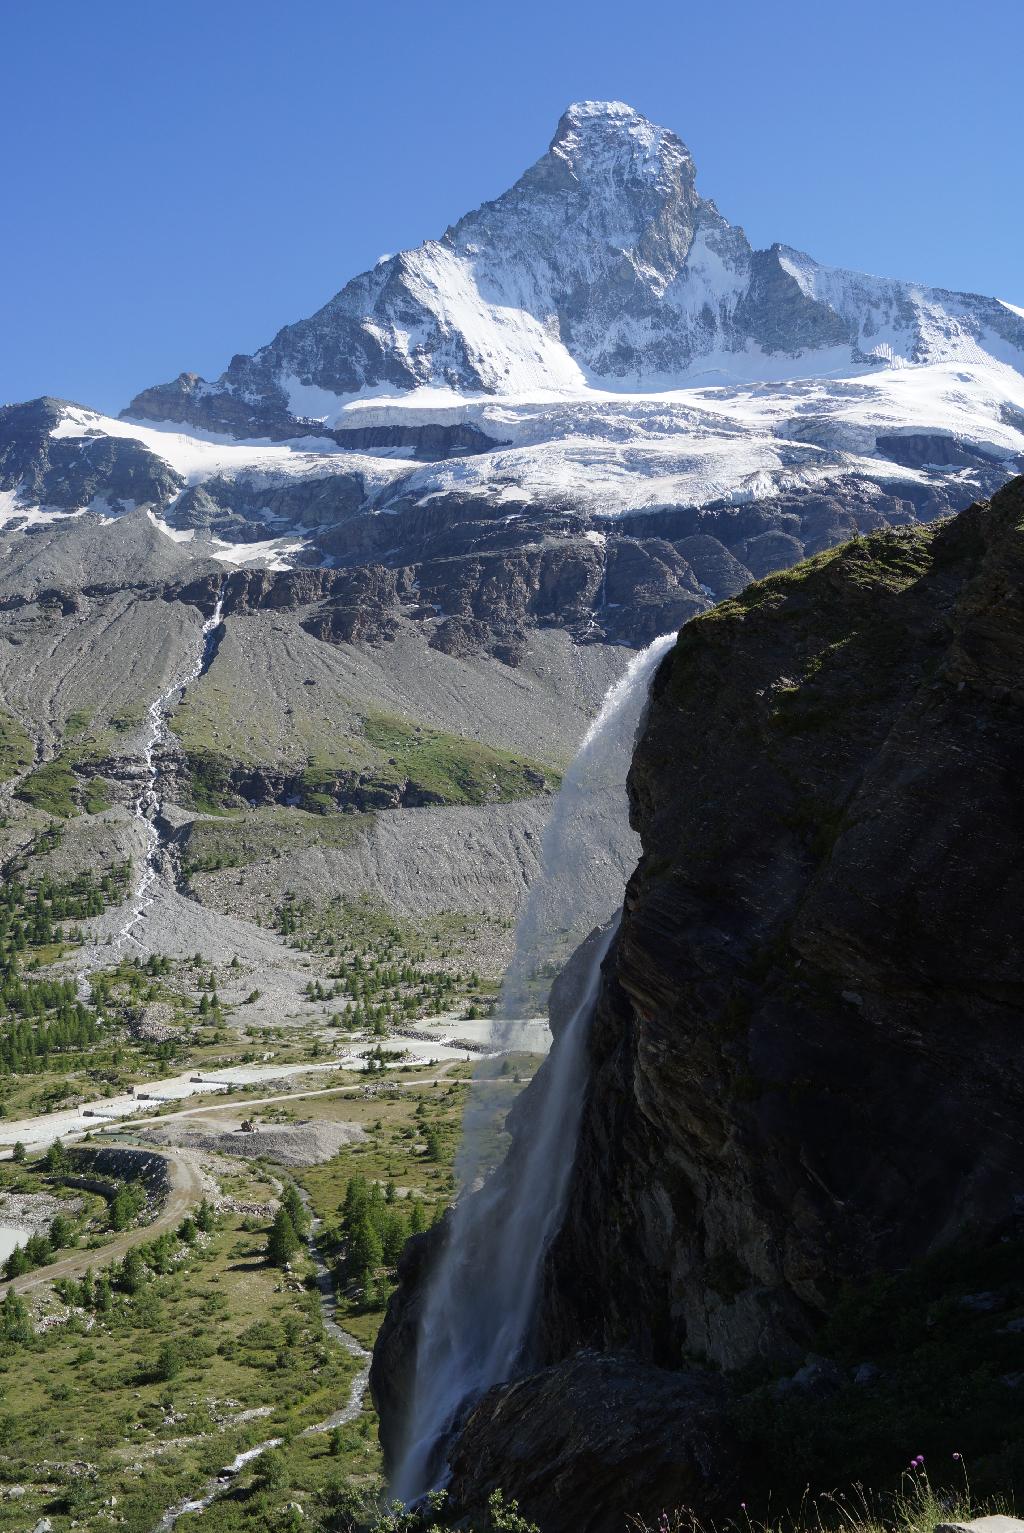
(478, 1307)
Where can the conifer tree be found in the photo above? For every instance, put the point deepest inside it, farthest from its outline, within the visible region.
(14, 1320)
(282, 1242)
(365, 1250)
(417, 1217)
(295, 1207)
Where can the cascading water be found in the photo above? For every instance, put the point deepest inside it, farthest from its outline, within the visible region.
(147, 805)
(476, 1316)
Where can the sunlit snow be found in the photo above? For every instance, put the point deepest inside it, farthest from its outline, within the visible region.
(603, 451)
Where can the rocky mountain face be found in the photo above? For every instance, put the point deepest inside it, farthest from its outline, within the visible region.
(447, 505)
(471, 575)
(590, 405)
(804, 1071)
(437, 516)
(602, 264)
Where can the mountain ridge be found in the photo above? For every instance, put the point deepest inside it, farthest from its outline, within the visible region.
(598, 342)
(601, 264)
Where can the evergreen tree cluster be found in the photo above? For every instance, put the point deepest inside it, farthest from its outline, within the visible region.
(377, 1060)
(35, 916)
(132, 980)
(41, 1248)
(375, 1224)
(383, 979)
(132, 1275)
(43, 1024)
(47, 1028)
(126, 1204)
(381, 995)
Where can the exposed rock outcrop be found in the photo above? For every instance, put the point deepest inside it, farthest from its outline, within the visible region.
(477, 583)
(804, 1066)
(602, 261)
(67, 473)
(598, 1431)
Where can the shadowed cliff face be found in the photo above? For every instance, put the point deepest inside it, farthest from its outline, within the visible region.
(805, 1063)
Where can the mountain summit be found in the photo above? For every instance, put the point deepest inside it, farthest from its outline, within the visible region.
(602, 267)
(596, 345)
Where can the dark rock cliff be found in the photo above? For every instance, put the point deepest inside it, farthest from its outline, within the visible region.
(474, 583)
(805, 1067)
(807, 1064)
(66, 474)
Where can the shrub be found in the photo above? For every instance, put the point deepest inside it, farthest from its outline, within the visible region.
(14, 1319)
(169, 1362)
(271, 1470)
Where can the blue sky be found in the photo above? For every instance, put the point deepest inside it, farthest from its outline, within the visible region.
(180, 179)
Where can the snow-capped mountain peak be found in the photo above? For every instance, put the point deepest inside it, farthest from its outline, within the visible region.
(603, 268)
(609, 143)
(598, 341)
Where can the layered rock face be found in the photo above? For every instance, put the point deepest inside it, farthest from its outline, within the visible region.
(805, 1063)
(457, 566)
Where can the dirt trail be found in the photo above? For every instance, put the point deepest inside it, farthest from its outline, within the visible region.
(186, 1185)
(186, 1190)
(220, 1105)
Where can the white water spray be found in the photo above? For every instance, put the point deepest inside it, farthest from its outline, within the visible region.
(477, 1312)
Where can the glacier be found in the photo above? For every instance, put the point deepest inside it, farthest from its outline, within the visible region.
(598, 341)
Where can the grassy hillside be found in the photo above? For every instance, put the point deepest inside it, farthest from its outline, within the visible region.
(16, 751)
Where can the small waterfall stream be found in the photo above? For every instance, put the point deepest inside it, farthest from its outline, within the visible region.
(148, 803)
(478, 1308)
(220, 1483)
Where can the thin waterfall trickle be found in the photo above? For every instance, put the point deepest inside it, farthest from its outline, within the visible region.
(148, 803)
(476, 1316)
